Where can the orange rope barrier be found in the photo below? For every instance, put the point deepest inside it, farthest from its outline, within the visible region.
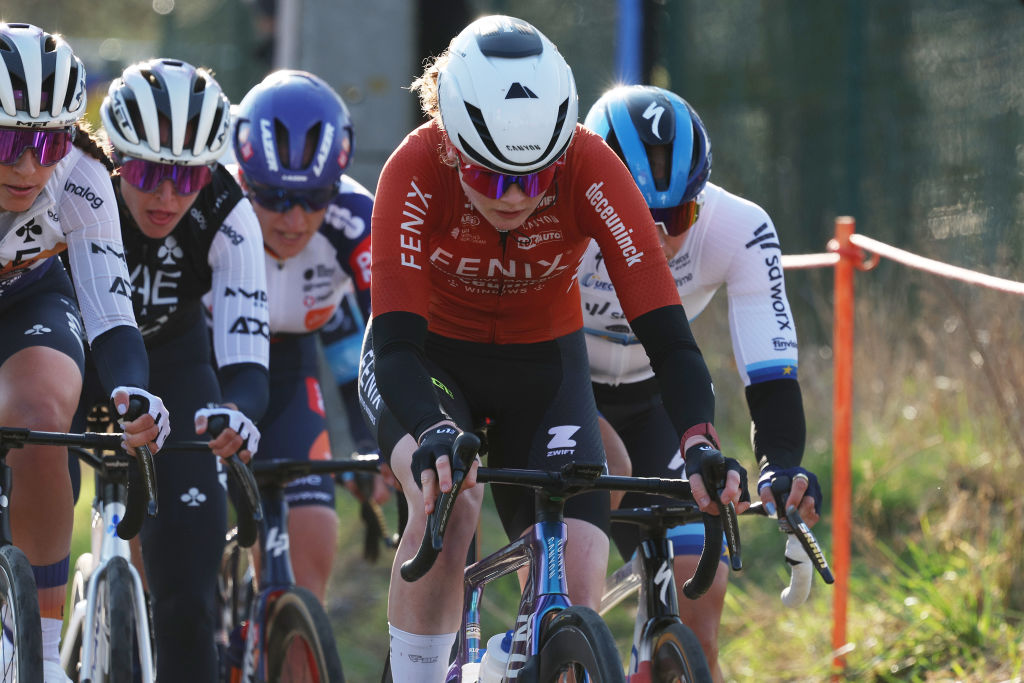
(801, 261)
(847, 255)
(936, 267)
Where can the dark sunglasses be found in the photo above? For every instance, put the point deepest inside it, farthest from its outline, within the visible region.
(676, 220)
(278, 200)
(147, 176)
(493, 184)
(50, 145)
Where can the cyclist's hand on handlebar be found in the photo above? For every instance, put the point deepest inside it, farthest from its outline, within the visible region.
(151, 428)
(804, 491)
(431, 463)
(735, 490)
(240, 436)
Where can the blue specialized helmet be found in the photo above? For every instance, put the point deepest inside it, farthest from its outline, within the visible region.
(293, 132)
(634, 118)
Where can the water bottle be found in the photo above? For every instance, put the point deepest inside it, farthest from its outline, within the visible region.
(495, 659)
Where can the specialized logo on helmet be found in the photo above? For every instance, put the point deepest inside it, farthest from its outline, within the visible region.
(519, 92)
(325, 147)
(267, 136)
(654, 112)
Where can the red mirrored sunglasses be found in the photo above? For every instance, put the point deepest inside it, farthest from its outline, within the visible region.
(147, 176)
(494, 185)
(50, 145)
(676, 220)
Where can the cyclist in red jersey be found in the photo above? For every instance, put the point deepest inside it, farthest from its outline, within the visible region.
(481, 218)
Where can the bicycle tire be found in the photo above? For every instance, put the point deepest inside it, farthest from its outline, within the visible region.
(577, 640)
(19, 603)
(83, 568)
(115, 622)
(300, 644)
(677, 656)
(234, 585)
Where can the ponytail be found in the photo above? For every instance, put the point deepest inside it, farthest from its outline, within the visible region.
(92, 144)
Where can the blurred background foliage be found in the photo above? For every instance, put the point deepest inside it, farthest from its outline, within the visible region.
(907, 115)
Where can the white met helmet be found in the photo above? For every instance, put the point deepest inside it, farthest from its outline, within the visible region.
(195, 113)
(507, 98)
(42, 82)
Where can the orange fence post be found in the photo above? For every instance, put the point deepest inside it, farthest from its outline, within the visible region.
(842, 399)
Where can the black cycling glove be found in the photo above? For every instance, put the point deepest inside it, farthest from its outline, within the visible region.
(695, 460)
(769, 473)
(435, 443)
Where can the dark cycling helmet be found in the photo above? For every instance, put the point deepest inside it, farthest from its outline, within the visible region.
(42, 82)
(195, 113)
(293, 132)
(507, 98)
(634, 118)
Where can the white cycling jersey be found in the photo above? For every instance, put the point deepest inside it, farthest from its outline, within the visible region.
(734, 243)
(76, 210)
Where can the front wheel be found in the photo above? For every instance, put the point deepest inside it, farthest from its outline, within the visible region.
(576, 645)
(677, 657)
(113, 637)
(21, 645)
(300, 643)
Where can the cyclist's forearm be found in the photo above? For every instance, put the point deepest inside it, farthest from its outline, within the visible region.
(121, 359)
(246, 386)
(780, 432)
(679, 366)
(403, 382)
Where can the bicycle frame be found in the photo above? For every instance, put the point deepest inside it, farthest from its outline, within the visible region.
(545, 591)
(651, 572)
(275, 575)
(106, 546)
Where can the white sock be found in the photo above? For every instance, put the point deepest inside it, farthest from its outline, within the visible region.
(51, 638)
(423, 659)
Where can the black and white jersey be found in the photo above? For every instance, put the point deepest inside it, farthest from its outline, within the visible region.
(217, 247)
(76, 210)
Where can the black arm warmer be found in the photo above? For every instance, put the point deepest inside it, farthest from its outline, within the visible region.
(402, 379)
(683, 376)
(778, 431)
(121, 359)
(247, 385)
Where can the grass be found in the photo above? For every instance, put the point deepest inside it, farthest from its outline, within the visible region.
(937, 577)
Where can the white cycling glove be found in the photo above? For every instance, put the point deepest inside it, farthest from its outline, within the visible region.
(153, 405)
(237, 421)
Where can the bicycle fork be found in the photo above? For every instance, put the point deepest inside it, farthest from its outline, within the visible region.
(657, 601)
(83, 620)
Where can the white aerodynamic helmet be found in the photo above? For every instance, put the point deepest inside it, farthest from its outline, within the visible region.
(507, 98)
(42, 82)
(196, 112)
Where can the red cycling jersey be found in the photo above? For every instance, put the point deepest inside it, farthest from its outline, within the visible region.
(436, 256)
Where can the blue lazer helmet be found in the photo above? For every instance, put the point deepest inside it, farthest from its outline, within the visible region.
(293, 132)
(633, 119)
